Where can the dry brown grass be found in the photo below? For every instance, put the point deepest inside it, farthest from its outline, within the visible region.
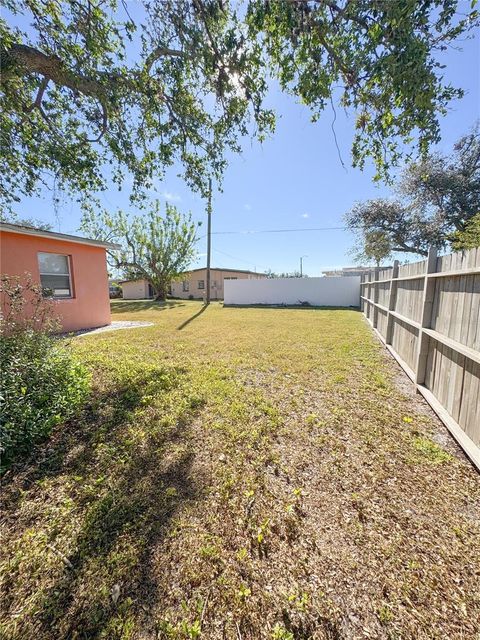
(243, 474)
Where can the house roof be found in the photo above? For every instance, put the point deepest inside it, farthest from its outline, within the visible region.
(255, 273)
(9, 227)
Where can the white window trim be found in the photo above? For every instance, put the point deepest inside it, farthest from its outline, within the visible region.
(69, 274)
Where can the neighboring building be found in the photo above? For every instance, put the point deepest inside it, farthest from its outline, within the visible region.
(136, 289)
(72, 271)
(350, 271)
(194, 283)
(191, 285)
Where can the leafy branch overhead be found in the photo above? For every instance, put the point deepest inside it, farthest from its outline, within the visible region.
(91, 93)
(155, 247)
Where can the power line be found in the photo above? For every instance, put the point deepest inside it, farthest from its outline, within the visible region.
(229, 255)
(251, 232)
(295, 230)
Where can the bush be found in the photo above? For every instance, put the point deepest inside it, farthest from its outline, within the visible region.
(42, 384)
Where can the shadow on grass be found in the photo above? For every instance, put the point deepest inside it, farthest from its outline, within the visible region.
(194, 317)
(122, 306)
(133, 492)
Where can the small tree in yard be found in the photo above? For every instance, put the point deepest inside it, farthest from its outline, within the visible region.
(154, 247)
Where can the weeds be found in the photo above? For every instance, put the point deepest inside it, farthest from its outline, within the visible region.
(429, 452)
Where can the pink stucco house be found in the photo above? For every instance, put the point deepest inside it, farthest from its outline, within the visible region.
(72, 271)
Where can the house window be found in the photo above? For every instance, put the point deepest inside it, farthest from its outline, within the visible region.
(201, 284)
(230, 278)
(214, 284)
(186, 285)
(55, 275)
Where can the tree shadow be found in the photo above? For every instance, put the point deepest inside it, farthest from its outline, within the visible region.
(194, 317)
(124, 516)
(124, 306)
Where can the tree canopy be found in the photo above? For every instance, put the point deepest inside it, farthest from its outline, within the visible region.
(468, 238)
(154, 246)
(372, 246)
(433, 199)
(91, 93)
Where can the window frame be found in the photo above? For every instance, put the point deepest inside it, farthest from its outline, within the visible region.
(201, 284)
(69, 275)
(185, 286)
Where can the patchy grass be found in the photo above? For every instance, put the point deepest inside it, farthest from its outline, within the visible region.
(428, 450)
(242, 473)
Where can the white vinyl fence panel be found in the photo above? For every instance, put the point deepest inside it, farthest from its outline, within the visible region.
(321, 292)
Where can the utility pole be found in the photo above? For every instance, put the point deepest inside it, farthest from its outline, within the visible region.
(301, 265)
(209, 236)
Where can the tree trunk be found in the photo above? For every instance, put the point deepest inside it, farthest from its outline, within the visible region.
(161, 293)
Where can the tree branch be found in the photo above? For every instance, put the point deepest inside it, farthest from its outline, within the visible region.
(160, 52)
(20, 58)
(37, 103)
(50, 66)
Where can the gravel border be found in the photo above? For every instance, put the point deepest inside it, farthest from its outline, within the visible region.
(114, 326)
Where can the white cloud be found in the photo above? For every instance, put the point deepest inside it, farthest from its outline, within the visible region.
(305, 215)
(247, 207)
(171, 197)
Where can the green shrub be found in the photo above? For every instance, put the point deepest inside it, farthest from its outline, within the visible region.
(41, 384)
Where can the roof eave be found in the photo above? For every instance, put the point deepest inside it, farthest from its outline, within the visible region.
(30, 231)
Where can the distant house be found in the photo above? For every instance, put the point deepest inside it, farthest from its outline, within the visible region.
(136, 289)
(71, 270)
(191, 285)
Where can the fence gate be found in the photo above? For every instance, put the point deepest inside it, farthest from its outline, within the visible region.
(428, 315)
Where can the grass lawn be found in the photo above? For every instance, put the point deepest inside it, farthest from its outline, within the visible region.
(242, 474)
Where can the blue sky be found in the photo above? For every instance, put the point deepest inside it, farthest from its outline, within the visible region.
(294, 180)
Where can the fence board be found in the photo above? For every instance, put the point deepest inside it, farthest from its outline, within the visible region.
(438, 339)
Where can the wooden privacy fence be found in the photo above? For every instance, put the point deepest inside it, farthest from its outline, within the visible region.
(428, 315)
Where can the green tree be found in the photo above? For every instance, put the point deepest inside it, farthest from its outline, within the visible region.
(468, 238)
(25, 222)
(434, 198)
(91, 93)
(372, 246)
(155, 247)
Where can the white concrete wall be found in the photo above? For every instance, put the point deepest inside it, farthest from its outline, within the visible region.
(328, 292)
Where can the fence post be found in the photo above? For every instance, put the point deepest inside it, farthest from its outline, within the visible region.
(427, 305)
(362, 294)
(392, 300)
(375, 298)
